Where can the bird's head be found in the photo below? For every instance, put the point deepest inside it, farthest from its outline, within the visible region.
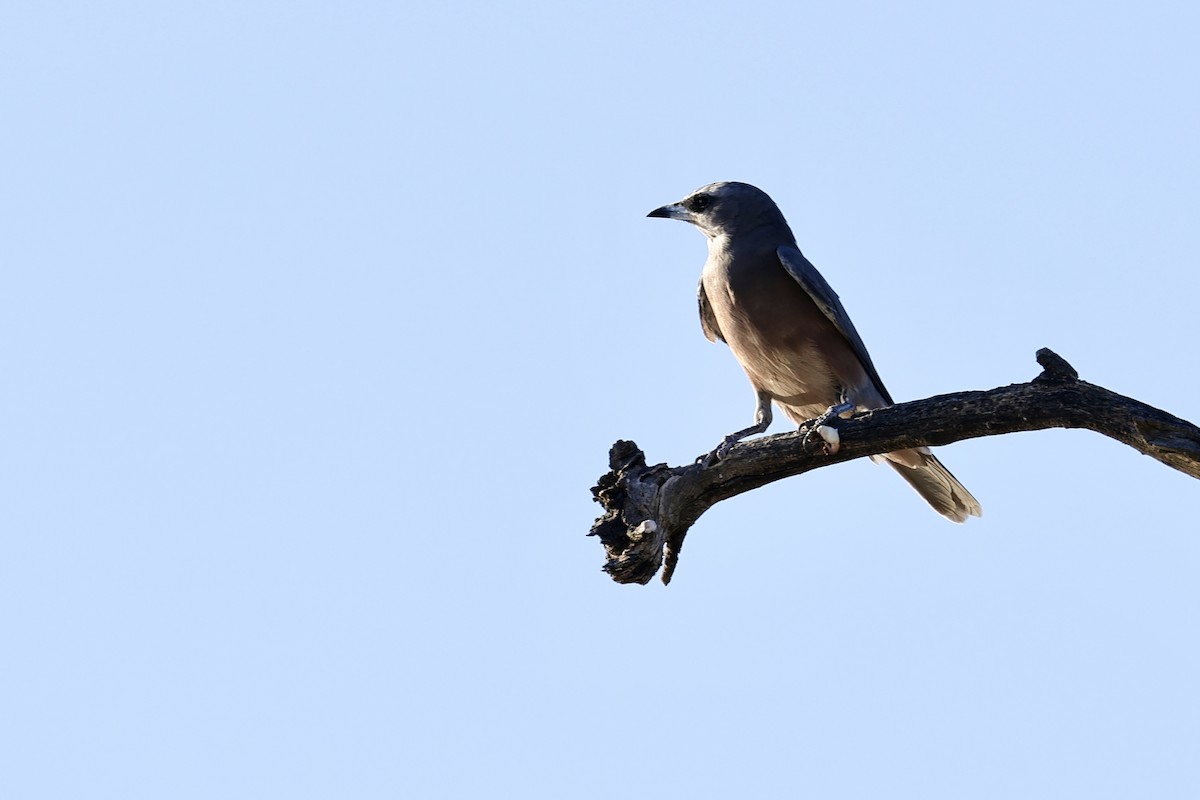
(726, 208)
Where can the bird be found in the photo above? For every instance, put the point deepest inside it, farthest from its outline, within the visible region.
(790, 333)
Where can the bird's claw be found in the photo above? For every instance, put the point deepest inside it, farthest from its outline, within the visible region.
(829, 434)
(719, 452)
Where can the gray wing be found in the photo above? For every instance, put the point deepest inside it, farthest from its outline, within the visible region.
(827, 300)
(708, 320)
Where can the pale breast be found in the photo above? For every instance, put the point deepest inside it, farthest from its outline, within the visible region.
(784, 342)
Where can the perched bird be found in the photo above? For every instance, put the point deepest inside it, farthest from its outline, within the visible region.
(788, 330)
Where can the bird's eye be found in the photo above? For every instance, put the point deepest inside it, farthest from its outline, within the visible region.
(698, 203)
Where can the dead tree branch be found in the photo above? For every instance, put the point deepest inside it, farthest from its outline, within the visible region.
(649, 509)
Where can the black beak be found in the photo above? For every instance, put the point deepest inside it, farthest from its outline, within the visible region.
(671, 211)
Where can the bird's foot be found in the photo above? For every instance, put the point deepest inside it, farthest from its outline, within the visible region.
(828, 434)
(719, 452)
(762, 421)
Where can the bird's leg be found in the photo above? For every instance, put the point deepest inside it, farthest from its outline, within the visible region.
(833, 442)
(762, 421)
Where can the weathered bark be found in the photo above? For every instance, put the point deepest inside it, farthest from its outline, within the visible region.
(649, 509)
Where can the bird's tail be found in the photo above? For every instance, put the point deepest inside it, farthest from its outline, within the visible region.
(935, 483)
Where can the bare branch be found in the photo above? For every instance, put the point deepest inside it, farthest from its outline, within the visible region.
(649, 509)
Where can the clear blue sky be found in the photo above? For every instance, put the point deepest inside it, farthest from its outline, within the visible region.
(319, 319)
